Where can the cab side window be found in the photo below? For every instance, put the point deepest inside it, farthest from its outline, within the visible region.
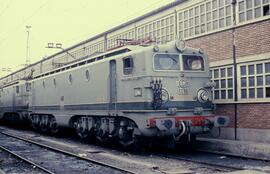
(128, 65)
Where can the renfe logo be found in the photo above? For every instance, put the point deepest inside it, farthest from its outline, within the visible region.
(182, 85)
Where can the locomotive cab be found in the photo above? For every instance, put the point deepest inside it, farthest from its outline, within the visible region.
(180, 92)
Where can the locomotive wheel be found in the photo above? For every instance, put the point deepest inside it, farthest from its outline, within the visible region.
(53, 126)
(80, 130)
(127, 138)
(35, 122)
(44, 124)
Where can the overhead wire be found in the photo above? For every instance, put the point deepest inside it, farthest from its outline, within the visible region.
(3, 39)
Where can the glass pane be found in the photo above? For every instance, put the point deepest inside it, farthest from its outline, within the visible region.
(208, 26)
(242, 17)
(208, 6)
(267, 67)
(221, 3)
(222, 72)
(180, 16)
(228, 21)
(223, 83)
(202, 18)
(202, 8)
(265, 1)
(197, 20)
(223, 94)
(251, 93)
(243, 93)
(257, 2)
(221, 23)
(215, 25)
(216, 73)
(208, 17)
(258, 12)
(243, 82)
(202, 28)
(228, 2)
(249, 14)
(191, 12)
(267, 80)
(215, 14)
(186, 14)
(259, 68)
(249, 4)
(241, 6)
(197, 30)
(221, 12)
(243, 70)
(259, 80)
(230, 94)
(250, 69)
(216, 94)
(230, 83)
(217, 84)
(267, 92)
(214, 4)
(196, 11)
(228, 10)
(166, 62)
(259, 92)
(251, 81)
(229, 72)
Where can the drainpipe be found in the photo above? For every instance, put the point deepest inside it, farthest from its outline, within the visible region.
(235, 69)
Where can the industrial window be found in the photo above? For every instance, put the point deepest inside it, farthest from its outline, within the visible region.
(223, 77)
(254, 80)
(205, 17)
(162, 30)
(252, 9)
(128, 65)
(87, 75)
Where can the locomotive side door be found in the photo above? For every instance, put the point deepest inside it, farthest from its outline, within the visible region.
(112, 85)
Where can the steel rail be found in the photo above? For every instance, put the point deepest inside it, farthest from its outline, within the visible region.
(69, 153)
(211, 165)
(26, 160)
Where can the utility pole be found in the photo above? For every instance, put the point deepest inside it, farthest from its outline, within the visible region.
(235, 68)
(28, 27)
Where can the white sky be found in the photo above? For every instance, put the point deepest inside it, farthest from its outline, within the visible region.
(64, 21)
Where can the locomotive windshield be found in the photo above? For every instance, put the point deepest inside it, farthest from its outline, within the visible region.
(193, 63)
(166, 62)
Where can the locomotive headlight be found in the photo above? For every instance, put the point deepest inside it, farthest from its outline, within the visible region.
(137, 92)
(180, 45)
(203, 95)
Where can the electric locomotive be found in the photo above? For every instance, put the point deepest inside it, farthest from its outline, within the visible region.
(128, 93)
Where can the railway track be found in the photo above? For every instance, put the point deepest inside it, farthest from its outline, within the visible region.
(194, 161)
(53, 160)
(219, 162)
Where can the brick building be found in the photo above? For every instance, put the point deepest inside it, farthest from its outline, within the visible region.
(242, 76)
